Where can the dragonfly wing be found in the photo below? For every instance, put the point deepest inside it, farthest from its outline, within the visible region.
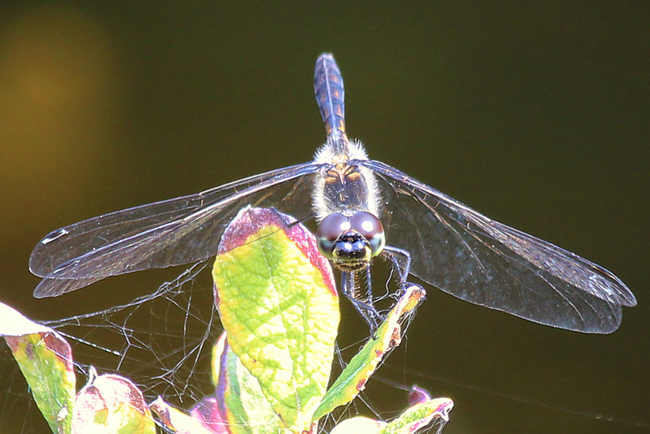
(173, 232)
(472, 257)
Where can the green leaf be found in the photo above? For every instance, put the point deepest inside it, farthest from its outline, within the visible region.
(278, 302)
(45, 359)
(355, 375)
(111, 404)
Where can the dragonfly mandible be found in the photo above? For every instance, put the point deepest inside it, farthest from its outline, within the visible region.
(364, 208)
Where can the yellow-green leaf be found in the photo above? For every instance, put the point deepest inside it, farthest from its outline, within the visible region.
(278, 302)
(419, 416)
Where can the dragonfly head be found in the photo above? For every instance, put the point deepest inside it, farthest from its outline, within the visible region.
(351, 242)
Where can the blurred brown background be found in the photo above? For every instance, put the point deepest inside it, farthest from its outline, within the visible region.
(536, 115)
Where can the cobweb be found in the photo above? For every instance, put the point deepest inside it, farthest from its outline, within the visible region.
(162, 342)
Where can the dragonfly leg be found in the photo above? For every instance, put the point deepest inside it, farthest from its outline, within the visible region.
(401, 262)
(366, 309)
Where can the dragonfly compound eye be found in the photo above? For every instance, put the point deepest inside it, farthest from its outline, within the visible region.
(329, 230)
(371, 229)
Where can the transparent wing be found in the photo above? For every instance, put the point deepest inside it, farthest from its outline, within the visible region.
(172, 232)
(472, 257)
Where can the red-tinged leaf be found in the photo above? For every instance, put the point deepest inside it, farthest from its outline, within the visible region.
(45, 359)
(111, 404)
(178, 421)
(418, 395)
(207, 414)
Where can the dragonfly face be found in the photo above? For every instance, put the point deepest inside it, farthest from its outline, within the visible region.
(351, 242)
(355, 200)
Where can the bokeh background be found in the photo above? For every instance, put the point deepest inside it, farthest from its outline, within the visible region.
(535, 114)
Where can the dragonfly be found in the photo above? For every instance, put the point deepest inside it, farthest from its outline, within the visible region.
(364, 209)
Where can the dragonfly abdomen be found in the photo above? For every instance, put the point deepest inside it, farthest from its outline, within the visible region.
(330, 95)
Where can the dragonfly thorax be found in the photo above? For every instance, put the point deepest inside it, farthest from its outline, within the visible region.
(343, 186)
